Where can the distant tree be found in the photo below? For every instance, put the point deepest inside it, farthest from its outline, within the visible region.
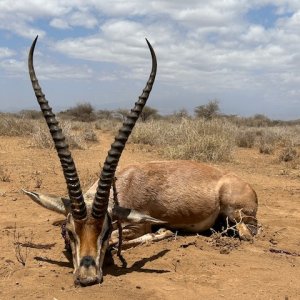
(83, 112)
(104, 114)
(208, 111)
(177, 115)
(261, 120)
(121, 113)
(182, 113)
(149, 113)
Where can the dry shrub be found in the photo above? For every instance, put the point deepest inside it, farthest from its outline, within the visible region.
(30, 114)
(148, 133)
(189, 139)
(89, 135)
(43, 139)
(76, 133)
(108, 124)
(13, 126)
(288, 153)
(292, 135)
(78, 126)
(245, 138)
(267, 138)
(21, 247)
(267, 142)
(281, 135)
(266, 148)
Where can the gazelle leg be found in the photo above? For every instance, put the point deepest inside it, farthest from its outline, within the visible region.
(132, 238)
(161, 234)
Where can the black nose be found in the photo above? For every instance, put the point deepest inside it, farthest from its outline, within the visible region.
(87, 261)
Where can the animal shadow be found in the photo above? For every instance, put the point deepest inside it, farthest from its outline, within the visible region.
(138, 266)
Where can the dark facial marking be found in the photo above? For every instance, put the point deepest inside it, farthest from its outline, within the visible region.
(87, 261)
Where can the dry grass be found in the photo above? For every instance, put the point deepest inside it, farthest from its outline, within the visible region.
(288, 153)
(268, 139)
(246, 138)
(181, 138)
(78, 134)
(41, 138)
(13, 126)
(89, 135)
(108, 124)
(267, 142)
(189, 139)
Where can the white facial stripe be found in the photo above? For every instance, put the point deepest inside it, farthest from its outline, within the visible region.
(103, 240)
(74, 241)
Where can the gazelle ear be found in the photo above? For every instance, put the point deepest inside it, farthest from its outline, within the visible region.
(133, 216)
(57, 204)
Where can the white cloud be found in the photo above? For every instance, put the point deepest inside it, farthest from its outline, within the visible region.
(83, 19)
(13, 67)
(45, 69)
(256, 34)
(76, 19)
(59, 23)
(201, 45)
(6, 52)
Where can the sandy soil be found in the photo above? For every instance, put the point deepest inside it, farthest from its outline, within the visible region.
(188, 267)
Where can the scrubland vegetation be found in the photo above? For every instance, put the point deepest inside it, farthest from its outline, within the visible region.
(208, 136)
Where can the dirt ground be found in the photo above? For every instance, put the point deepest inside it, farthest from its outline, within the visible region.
(185, 267)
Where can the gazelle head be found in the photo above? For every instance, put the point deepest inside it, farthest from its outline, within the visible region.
(88, 223)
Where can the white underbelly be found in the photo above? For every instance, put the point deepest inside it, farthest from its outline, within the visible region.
(199, 226)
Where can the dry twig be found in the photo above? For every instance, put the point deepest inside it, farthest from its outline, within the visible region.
(21, 248)
(37, 246)
(281, 251)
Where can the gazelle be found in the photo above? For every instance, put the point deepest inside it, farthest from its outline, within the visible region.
(185, 195)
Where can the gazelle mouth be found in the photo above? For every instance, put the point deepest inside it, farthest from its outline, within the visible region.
(87, 281)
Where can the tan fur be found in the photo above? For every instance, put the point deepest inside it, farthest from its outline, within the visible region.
(88, 232)
(188, 195)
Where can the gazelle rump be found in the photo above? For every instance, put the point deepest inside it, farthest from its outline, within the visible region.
(183, 195)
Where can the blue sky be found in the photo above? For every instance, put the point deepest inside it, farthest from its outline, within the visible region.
(243, 53)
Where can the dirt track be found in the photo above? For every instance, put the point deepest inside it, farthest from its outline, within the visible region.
(188, 267)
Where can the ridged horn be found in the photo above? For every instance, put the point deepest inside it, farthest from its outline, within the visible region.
(78, 207)
(101, 199)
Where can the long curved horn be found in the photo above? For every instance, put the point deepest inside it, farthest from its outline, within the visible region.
(78, 207)
(100, 202)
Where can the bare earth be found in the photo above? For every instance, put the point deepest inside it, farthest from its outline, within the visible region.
(185, 267)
